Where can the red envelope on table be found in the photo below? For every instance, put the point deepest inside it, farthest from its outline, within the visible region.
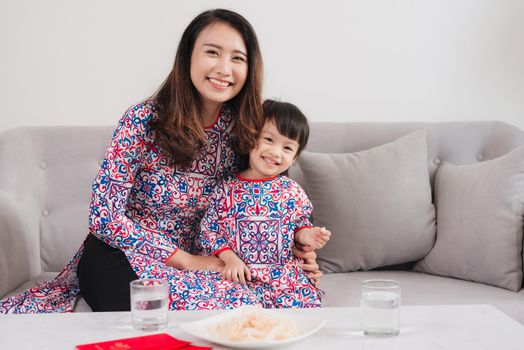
(160, 341)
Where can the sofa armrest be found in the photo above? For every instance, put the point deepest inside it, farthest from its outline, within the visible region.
(19, 246)
(20, 257)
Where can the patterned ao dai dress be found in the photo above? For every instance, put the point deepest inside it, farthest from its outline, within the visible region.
(148, 208)
(257, 219)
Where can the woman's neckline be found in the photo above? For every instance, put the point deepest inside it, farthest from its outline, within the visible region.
(210, 126)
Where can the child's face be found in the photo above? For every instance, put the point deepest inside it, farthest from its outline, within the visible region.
(273, 154)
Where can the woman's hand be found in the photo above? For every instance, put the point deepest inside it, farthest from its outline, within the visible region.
(314, 276)
(309, 265)
(184, 261)
(304, 252)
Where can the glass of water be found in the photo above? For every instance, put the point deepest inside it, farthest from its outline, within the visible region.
(149, 304)
(379, 304)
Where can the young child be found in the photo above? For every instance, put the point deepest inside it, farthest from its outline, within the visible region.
(255, 217)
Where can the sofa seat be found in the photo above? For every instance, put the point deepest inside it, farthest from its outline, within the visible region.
(342, 289)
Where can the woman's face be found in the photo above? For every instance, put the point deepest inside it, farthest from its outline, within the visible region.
(219, 64)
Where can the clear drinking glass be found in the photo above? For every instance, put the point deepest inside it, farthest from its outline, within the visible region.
(379, 304)
(149, 304)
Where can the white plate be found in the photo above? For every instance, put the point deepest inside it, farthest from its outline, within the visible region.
(307, 325)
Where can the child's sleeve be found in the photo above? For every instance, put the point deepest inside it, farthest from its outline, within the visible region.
(304, 208)
(213, 234)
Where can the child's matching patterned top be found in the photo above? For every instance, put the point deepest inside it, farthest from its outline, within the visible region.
(257, 219)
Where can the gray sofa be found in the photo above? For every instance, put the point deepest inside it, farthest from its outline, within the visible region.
(45, 183)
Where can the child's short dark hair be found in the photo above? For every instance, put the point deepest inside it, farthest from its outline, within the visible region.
(289, 120)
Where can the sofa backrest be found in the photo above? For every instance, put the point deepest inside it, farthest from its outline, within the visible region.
(453, 142)
(47, 172)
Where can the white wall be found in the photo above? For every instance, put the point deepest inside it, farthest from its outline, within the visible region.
(83, 62)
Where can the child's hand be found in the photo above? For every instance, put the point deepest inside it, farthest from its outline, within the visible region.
(235, 269)
(315, 237)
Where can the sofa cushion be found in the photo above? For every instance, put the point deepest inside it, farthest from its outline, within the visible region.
(377, 204)
(479, 221)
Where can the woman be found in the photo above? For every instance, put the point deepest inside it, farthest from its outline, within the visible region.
(164, 160)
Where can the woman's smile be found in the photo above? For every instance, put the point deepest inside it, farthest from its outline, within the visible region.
(219, 83)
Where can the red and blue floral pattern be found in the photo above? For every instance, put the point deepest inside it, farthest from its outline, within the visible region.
(148, 208)
(258, 219)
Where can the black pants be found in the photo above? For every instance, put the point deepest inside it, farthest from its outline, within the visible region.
(104, 275)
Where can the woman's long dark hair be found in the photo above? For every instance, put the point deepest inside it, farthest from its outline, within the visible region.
(179, 128)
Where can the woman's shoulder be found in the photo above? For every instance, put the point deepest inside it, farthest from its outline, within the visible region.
(143, 111)
(137, 118)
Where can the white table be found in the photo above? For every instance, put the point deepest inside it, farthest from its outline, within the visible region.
(422, 327)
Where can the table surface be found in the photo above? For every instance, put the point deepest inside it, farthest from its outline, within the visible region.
(422, 327)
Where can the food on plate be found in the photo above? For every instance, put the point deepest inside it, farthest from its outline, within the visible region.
(256, 324)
